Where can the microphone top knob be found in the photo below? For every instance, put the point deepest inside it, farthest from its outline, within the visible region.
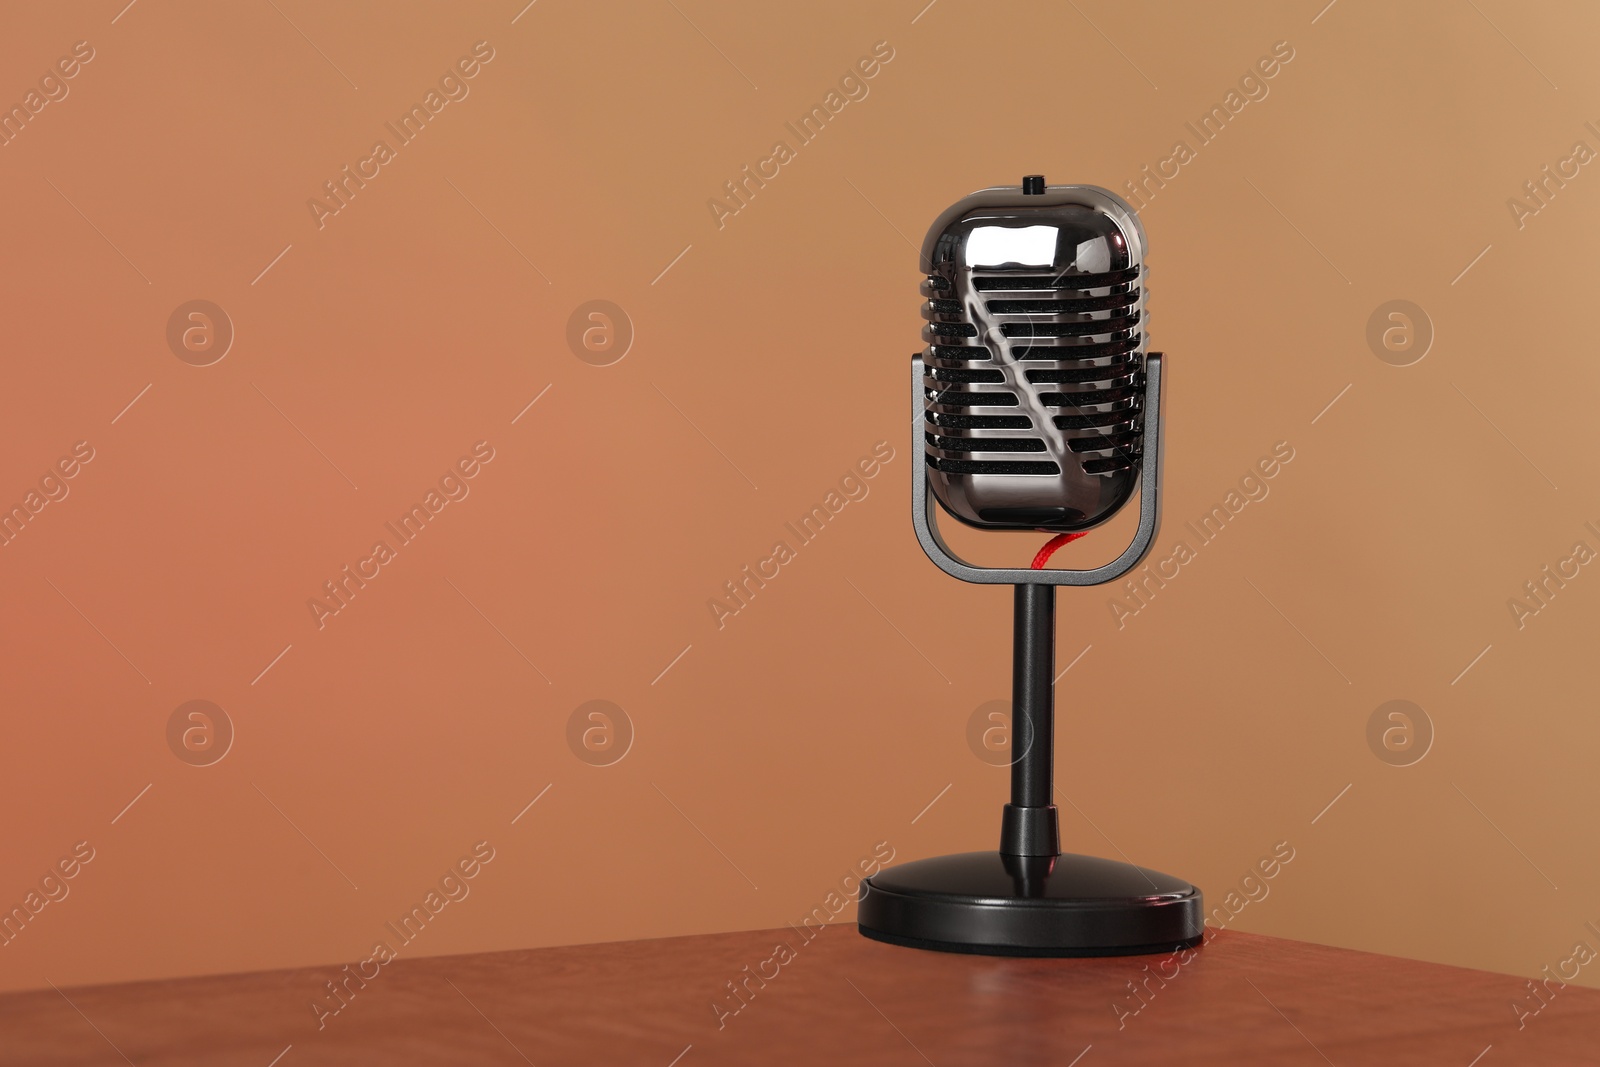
(1033, 184)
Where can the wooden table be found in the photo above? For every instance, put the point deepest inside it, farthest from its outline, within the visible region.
(838, 999)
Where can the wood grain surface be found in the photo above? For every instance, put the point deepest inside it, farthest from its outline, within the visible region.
(837, 999)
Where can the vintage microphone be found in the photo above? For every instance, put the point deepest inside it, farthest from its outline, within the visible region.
(1040, 410)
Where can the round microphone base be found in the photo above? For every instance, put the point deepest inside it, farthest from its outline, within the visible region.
(988, 904)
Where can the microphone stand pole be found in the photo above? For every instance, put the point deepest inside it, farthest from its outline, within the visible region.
(1029, 826)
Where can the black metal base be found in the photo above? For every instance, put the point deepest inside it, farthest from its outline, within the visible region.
(994, 905)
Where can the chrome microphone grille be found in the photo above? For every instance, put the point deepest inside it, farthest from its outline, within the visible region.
(1035, 357)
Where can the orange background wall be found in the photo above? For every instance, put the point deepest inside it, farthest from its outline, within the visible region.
(771, 755)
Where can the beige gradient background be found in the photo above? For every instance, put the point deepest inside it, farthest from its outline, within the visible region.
(772, 755)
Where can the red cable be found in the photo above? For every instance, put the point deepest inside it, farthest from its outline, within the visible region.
(1050, 547)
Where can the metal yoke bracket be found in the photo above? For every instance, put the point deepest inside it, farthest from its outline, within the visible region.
(924, 505)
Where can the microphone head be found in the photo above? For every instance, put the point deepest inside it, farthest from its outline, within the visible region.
(1034, 365)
